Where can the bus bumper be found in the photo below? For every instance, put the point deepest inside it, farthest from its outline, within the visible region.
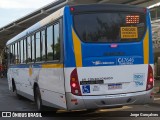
(93, 102)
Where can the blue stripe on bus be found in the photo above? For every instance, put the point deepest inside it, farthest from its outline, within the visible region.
(20, 66)
(25, 66)
(36, 66)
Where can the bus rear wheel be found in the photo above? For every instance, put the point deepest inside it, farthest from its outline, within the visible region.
(14, 90)
(38, 99)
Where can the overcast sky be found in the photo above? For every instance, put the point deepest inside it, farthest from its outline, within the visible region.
(11, 10)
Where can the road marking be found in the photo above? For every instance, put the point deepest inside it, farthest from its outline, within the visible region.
(115, 109)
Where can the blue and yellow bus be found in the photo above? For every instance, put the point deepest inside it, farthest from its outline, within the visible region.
(85, 57)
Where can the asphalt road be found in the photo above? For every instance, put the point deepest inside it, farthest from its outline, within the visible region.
(9, 102)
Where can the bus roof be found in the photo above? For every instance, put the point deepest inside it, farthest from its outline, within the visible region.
(106, 7)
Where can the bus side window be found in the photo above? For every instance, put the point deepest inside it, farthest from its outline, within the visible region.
(29, 49)
(25, 50)
(38, 57)
(43, 45)
(13, 52)
(21, 44)
(50, 43)
(17, 59)
(56, 42)
(15, 62)
(10, 54)
(33, 48)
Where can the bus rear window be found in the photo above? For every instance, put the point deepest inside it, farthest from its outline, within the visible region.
(110, 27)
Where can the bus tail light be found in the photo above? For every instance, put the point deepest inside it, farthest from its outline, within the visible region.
(150, 80)
(75, 87)
(72, 9)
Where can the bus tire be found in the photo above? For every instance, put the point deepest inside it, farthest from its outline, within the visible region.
(14, 90)
(38, 100)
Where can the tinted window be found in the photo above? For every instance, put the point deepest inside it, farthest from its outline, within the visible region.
(29, 49)
(13, 51)
(16, 54)
(19, 51)
(43, 50)
(25, 52)
(107, 27)
(33, 48)
(50, 43)
(38, 57)
(56, 42)
(12, 55)
(21, 44)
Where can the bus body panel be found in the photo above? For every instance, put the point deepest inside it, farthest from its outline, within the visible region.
(126, 75)
(120, 72)
(125, 66)
(107, 101)
(49, 78)
(51, 83)
(116, 79)
(20, 75)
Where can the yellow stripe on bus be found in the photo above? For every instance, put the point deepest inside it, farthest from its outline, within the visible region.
(77, 49)
(30, 71)
(52, 66)
(146, 48)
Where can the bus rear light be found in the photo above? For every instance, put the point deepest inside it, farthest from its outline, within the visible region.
(72, 9)
(150, 80)
(75, 87)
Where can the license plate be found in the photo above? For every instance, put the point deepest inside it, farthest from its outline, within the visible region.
(114, 86)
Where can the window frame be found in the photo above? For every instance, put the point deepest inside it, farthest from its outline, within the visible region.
(81, 13)
(43, 28)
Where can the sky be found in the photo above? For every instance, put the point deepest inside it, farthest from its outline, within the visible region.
(11, 10)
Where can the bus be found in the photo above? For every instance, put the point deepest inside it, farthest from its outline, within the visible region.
(85, 57)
